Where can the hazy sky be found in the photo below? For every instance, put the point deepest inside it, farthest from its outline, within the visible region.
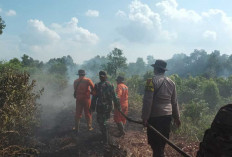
(46, 29)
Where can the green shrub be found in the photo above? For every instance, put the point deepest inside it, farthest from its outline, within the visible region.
(195, 118)
(19, 111)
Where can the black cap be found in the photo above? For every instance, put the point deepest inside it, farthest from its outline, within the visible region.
(81, 72)
(160, 64)
(102, 74)
(120, 78)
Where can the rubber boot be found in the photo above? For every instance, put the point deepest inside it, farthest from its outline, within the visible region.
(89, 124)
(121, 129)
(77, 124)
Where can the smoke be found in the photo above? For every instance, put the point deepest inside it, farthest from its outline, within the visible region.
(53, 101)
(57, 98)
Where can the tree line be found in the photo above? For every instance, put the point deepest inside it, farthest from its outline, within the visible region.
(203, 80)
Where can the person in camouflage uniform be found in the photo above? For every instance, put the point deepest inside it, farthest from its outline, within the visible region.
(103, 98)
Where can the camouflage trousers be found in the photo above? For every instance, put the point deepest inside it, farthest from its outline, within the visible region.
(102, 119)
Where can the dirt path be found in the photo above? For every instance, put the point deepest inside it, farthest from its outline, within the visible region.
(61, 141)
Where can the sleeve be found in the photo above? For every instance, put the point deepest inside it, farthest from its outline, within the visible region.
(94, 99)
(147, 100)
(74, 84)
(175, 106)
(115, 98)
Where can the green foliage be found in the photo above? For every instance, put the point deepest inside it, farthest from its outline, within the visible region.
(116, 61)
(13, 63)
(30, 62)
(199, 98)
(18, 108)
(224, 86)
(94, 64)
(211, 93)
(135, 103)
(178, 81)
(58, 66)
(213, 65)
(136, 84)
(137, 68)
(2, 25)
(195, 118)
(199, 63)
(195, 110)
(147, 75)
(188, 89)
(195, 131)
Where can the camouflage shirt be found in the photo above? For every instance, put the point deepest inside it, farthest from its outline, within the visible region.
(103, 97)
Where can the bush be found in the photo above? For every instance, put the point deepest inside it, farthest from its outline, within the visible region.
(211, 94)
(19, 111)
(195, 111)
(195, 118)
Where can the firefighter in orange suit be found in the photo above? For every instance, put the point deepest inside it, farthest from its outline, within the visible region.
(83, 87)
(122, 93)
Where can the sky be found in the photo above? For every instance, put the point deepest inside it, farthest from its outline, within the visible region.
(45, 29)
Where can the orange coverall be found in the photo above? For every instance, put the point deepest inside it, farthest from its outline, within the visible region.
(122, 92)
(83, 100)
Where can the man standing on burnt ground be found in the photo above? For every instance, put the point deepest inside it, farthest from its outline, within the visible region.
(82, 88)
(159, 106)
(102, 99)
(122, 93)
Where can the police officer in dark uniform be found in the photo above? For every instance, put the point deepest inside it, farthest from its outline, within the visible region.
(103, 98)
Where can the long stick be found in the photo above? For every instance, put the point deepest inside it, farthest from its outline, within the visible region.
(158, 133)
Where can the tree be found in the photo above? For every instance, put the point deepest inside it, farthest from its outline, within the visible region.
(198, 60)
(224, 86)
(30, 62)
(195, 110)
(2, 25)
(137, 68)
(214, 66)
(19, 110)
(178, 64)
(211, 94)
(116, 61)
(59, 65)
(135, 84)
(94, 65)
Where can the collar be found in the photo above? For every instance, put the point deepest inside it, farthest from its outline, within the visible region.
(81, 77)
(160, 74)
